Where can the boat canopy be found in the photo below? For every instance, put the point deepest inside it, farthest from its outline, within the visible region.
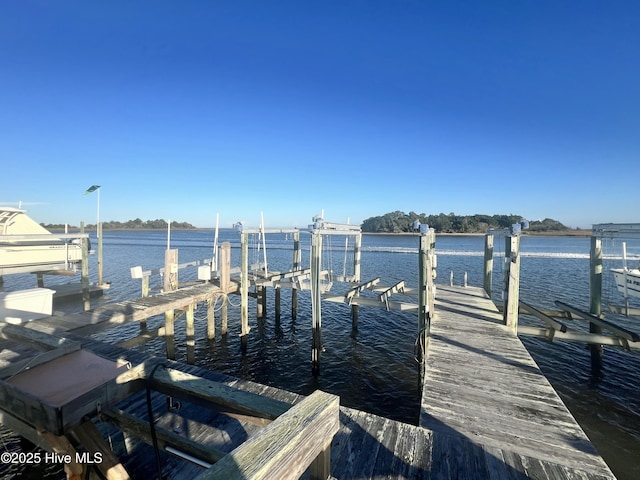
(16, 222)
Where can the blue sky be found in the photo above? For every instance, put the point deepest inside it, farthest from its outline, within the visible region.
(182, 110)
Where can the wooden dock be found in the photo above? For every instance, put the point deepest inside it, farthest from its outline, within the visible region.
(137, 310)
(486, 412)
(486, 395)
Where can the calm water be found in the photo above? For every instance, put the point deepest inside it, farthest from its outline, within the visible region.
(374, 369)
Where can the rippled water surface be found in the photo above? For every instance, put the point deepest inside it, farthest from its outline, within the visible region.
(374, 369)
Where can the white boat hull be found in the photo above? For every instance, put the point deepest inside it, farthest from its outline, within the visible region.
(33, 258)
(26, 246)
(632, 277)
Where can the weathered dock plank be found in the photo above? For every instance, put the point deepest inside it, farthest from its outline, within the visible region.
(482, 386)
(114, 314)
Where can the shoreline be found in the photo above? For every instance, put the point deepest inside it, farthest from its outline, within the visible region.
(560, 233)
(525, 233)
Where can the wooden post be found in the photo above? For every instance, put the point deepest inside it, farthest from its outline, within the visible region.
(512, 276)
(170, 270)
(88, 435)
(190, 334)
(244, 284)
(277, 301)
(85, 274)
(170, 284)
(423, 305)
(488, 263)
(316, 299)
(595, 299)
(169, 334)
(263, 298)
(40, 280)
(320, 469)
(225, 280)
(357, 248)
(431, 275)
(99, 234)
(260, 295)
(145, 286)
(357, 254)
(62, 446)
(211, 317)
(297, 261)
(355, 317)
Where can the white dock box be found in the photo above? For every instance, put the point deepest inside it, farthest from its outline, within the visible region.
(26, 305)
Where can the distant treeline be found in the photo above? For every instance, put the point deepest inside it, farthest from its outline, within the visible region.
(136, 224)
(398, 222)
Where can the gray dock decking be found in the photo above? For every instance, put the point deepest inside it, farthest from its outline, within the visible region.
(482, 386)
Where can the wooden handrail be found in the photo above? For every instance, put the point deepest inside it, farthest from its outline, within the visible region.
(298, 439)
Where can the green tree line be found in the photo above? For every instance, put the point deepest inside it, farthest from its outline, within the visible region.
(399, 222)
(136, 224)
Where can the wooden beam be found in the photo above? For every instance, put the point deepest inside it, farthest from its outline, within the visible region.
(359, 288)
(621, 332)
(371, 302)
(98, 452)
(287, 447)
(581, 337)
(542, 316)
(384, 296)
(200, 390)
(35, 338)
(139, 428)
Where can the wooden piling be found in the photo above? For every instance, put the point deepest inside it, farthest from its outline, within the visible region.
(355, 317)
(244, 284)
(169, 334)
(277, 302)
(297, 261)
(431, 271)
(512, 277)
(145, 286)
(190, 334)
(357, 254)
(211, 318)
(316, 302)
(423, 305)
(85, 274)
(260, 296)
(595, 299)
(488, 263)
(170, 284)
(99, 235)
(225, 280)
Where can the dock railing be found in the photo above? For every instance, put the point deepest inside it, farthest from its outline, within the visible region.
(298, 439)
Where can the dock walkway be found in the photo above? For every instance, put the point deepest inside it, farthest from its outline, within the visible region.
(483, 390)
(113, 314)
